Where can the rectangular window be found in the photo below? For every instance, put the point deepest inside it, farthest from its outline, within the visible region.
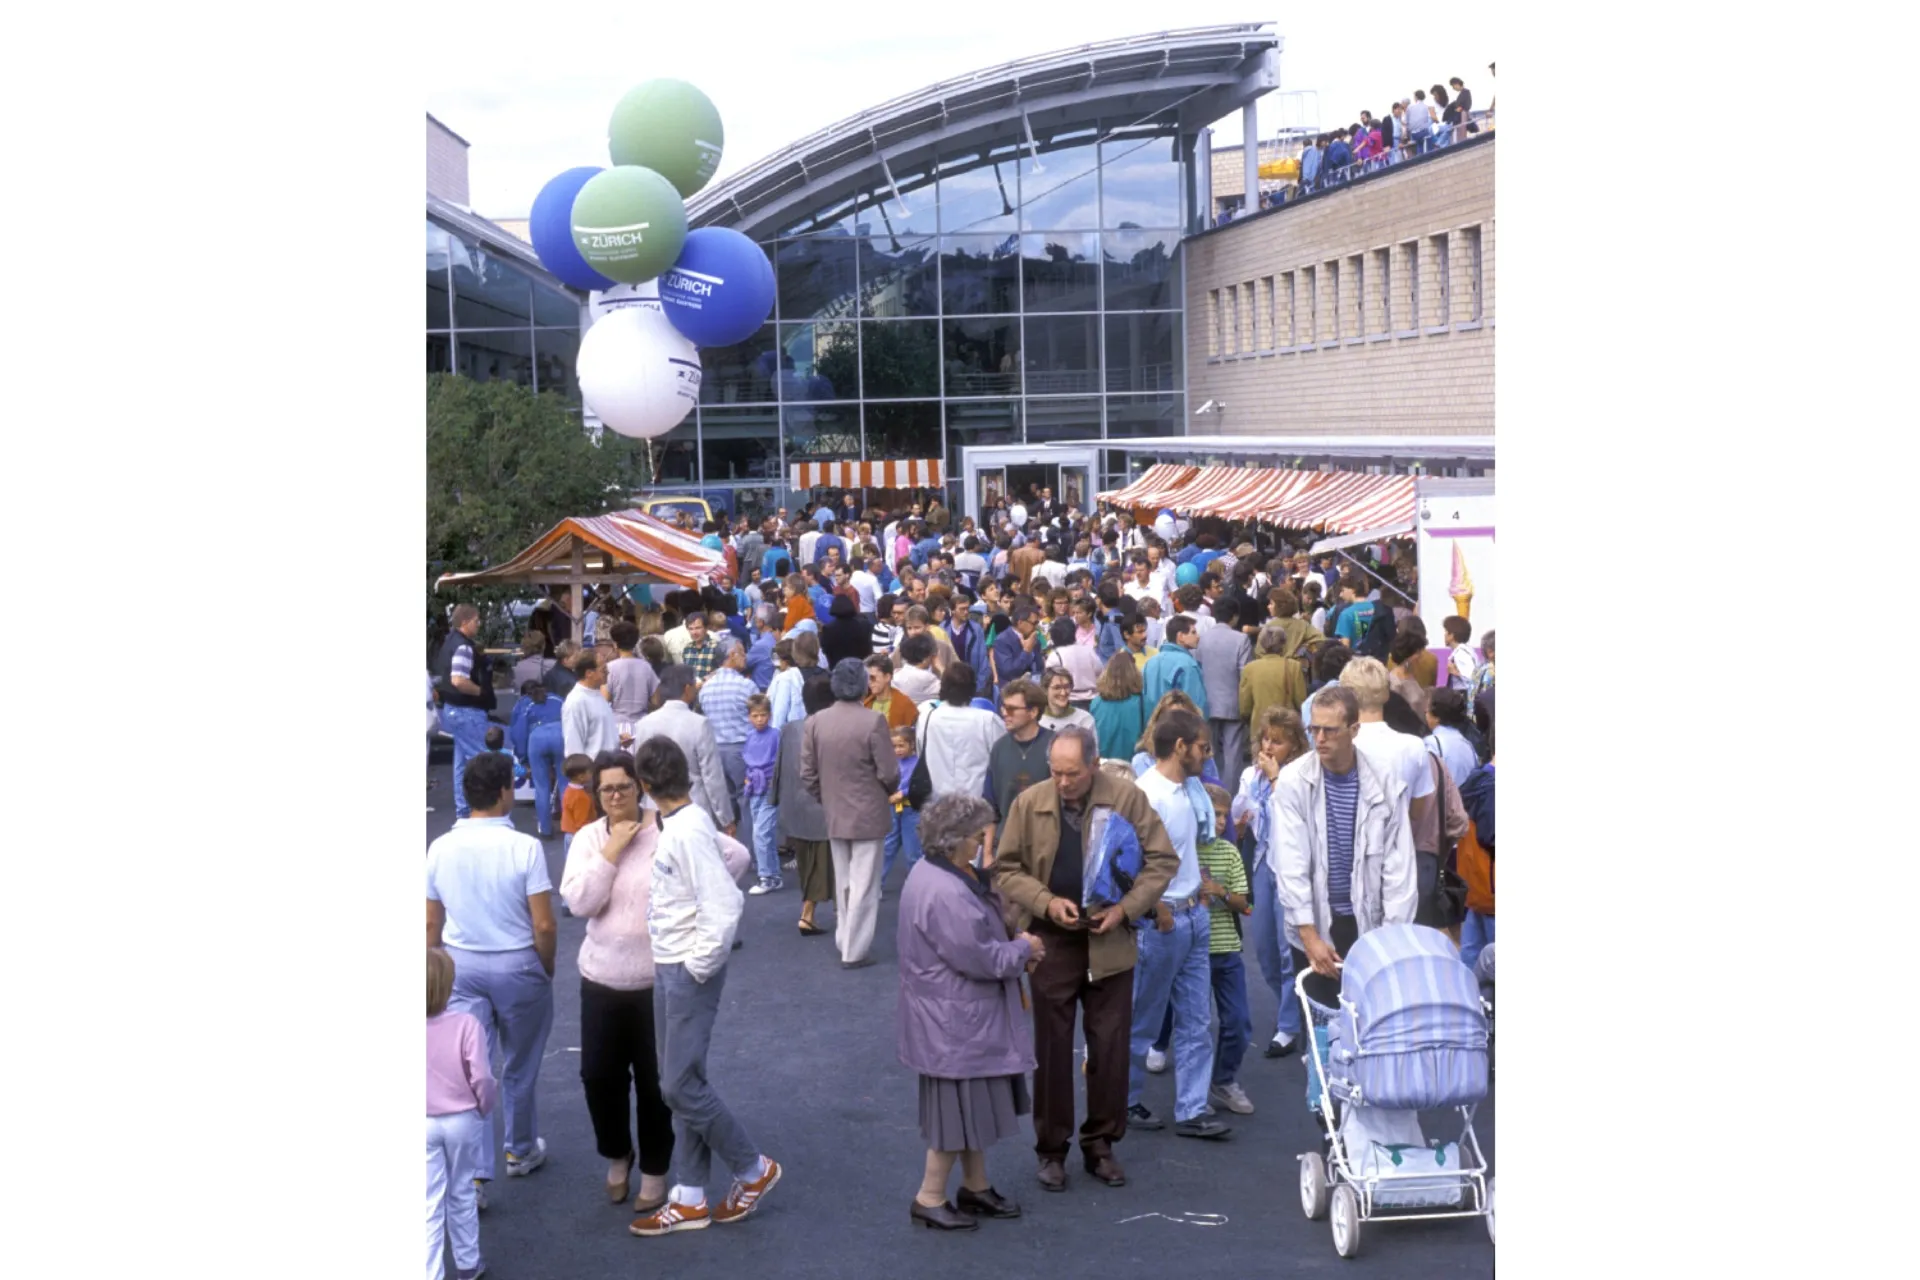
(1442, 294)
(1471, 244)
(1213, 324)
(1284, 323)
(1410, 285)
(1357, 273)
(1249, 314)
(1266, 314)
(1381, 293)
(1335, 314)
(1232, 293)
(1310, 293)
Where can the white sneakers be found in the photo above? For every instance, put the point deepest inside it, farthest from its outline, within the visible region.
(521, 1166)
(1156, 1062)
(767, 885)
(1232, 1097)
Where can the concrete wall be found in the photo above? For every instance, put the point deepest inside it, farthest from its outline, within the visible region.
(446, 164)
(1364, 310)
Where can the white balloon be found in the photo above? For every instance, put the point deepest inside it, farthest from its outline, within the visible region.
(645, 295)
(637, 373)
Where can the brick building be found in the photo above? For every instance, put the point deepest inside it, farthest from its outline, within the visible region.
(1364, 310)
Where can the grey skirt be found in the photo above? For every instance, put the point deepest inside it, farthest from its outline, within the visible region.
(972, 1115)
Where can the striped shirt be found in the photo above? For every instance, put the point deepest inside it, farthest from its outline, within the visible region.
(1221, 860)
(462, 665)
(723, 698)
(1343, 798)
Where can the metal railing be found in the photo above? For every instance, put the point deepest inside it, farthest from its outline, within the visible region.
(1272, 153)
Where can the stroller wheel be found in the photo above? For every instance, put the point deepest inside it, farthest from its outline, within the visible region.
(1490, 1209)
(1346, 1220)
(1313, 1186)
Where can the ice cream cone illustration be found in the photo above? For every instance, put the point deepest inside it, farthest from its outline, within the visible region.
(1461, 588)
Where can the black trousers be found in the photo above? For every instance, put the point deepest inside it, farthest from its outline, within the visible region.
(617, 1059)
(1061, 990)
(1320, 990)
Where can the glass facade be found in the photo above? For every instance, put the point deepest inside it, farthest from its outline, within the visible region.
(1007, 302)
(488, 318)
(1002, 300)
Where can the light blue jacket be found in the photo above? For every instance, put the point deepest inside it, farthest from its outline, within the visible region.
(1174, 667)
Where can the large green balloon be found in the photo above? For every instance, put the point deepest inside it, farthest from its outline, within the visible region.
(629, 223)
(670, 127)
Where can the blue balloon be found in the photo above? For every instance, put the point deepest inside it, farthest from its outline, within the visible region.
(1185, 574)
(720, 291)
(550, 227)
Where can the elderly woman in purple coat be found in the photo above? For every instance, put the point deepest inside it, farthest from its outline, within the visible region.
(962, 1021)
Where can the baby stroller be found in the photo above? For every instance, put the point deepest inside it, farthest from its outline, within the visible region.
(1410, 1034)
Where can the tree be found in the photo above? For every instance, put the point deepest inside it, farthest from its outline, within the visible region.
(503, 467)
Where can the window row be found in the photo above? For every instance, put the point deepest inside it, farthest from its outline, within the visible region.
(826, 277)
(978, 357)
(538, 359)
(1422, 286)
(470, 287)
(1073, 185)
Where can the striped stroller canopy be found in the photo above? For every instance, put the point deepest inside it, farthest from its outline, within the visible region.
(1409, 990)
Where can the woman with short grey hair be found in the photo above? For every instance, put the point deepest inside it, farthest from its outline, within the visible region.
(963, 1024)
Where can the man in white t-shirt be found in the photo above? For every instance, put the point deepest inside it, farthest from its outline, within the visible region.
(1400, 754)
(490, 904)
(866, 585)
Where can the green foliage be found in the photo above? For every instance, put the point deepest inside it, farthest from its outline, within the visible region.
(503, 467)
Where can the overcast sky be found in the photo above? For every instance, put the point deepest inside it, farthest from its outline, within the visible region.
(533, 100)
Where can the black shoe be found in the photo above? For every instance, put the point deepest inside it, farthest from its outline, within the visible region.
(1201, 1127)
(985, 1204)
(1139, 1117)
(860, 964)
(943, 1218)
(1277, 1050)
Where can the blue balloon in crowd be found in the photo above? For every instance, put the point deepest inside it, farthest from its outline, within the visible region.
(720, 290)
(1185, 574)
(550, 227)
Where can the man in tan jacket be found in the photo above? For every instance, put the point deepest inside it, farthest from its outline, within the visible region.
(1088, 962)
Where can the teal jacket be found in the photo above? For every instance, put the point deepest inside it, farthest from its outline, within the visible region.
(1174, 667)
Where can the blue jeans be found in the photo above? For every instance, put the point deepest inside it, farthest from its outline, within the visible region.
(1229, 974)
(511, 996)
(468, 725)
(766, 836)
(1476, 931)
(1266, 935)
(904, 837)
(1173, 970)
(546, 753)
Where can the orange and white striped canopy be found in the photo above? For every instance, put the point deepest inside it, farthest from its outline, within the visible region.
(1327, 501)
(1160, 478)
(629, 544)
(912, 473)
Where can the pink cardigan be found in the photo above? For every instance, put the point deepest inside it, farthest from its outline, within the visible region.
(612, 898)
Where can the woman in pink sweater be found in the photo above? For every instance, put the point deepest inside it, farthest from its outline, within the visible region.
(608, 881)
(460, 1094)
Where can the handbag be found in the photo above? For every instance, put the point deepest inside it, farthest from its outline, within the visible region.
(920, 785)
(1449, 890)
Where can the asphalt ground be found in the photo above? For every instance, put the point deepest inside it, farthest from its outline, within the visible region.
(804, 1054)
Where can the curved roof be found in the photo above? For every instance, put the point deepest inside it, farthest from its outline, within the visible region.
(1171, 82)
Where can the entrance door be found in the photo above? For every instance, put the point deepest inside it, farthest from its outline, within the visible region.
(1074, 487)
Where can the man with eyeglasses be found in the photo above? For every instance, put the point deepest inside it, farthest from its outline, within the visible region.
(1342, 849)
(1019, 759)
(1174, 966)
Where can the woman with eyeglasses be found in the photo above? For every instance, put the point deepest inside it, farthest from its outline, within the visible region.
(609, 882)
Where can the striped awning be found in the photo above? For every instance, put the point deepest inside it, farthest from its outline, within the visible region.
(1156, 478)
(629, 545)
(1206, 488)
(1263, 493)
(912, 473)
(1349, 501)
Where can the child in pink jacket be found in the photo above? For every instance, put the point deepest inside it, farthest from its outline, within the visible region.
(460, 1095)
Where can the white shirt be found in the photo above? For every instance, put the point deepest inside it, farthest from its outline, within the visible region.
(586, 722)
(867, 587)
(889, 539)
(807, 541)
(1202, 623)
(956, 742)
(483, 871)
(970, 562)
(1075, 717)
(919, 684)
(1052, 572)
(1175, 806)
(1400, 754)
(1461, 665)
(694, 908)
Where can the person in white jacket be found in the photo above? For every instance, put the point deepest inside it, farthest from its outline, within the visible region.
(1343, 849)
(691, 918)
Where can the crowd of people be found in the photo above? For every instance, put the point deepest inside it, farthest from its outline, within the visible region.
(1431, 118)
(995, 707)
